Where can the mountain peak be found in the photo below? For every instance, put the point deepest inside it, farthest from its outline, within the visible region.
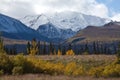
(64, 20)
(63, 24)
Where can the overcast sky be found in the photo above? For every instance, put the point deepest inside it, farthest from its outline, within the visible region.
(101, 8)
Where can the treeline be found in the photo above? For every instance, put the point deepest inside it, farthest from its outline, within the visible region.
(35, 47)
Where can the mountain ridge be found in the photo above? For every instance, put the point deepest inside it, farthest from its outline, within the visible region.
(63, 21)
(107, 32)
(13, 28)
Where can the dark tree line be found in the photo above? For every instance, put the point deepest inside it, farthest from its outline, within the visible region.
(35, 47)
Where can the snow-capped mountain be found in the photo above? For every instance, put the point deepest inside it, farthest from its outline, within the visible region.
(53, 32)
(61, 25)
(12, 28)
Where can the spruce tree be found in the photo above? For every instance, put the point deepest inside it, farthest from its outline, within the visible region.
(28, 47)
(44, 48)
(118, 54)
(1, 44)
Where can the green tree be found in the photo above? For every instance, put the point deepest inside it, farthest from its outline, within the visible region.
(51, 48)
(63, 50)
(118, 53)
(86, 51)
(1, 45)
(44, 48)
(39, 47)
(28, 47)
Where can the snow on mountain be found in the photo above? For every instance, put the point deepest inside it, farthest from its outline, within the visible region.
(51, 31)
(11, 25)
(35, 21)
(63, 21)
(13, 28)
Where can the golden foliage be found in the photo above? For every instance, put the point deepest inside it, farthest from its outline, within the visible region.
(59, 53)
(96, 72)
(34, 48)
(31, 64)
(112, 70)
(70, 52)
(69, 68)
(79, 71)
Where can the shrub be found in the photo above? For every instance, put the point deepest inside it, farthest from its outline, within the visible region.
(70, 52)
(79, 71)
(112, 70)
(5, 63)
(1, 72)
(21, 61)
(69, 68)
(96, 72)
(17, 71)
(58, 68)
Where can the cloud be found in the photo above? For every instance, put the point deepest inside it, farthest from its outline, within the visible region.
(116, 17)
(18, 8)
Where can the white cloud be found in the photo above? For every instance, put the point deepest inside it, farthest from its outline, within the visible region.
(18, 8)
(116, 17)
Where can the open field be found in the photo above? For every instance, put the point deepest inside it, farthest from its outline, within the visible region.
(48, 77)
(87, 61)
(77, 57)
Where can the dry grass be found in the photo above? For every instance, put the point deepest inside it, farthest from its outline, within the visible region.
(80, 59)
(48, 77)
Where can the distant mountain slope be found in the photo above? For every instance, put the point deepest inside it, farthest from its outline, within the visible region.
(12, 28)
(62, 23)
(52, 32)
(108, 32)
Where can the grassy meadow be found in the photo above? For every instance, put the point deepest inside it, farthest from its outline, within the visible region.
(58, 67)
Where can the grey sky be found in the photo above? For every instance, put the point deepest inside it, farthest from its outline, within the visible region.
(20, 8)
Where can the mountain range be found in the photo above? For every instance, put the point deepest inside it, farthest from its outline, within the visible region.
(61, 25)
(48, 27)
(14, 29)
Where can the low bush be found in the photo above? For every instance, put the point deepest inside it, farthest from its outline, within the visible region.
(5, 63)
(1, 72)
(17, 70)
(20, 64)
(79, 71)
(96, 71)
(112, 70)
(69, 68)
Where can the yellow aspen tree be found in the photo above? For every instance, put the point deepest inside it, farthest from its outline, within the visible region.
(34, 47)
(59, 52)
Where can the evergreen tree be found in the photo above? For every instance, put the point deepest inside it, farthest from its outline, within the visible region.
(39, 48)
(118, 54)
(14, 49)
(44, 48)
(1, 44)
(86, 51)
(28, 47)
(63, 50)
(94, 48)
(51, 48)
(69, 47)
